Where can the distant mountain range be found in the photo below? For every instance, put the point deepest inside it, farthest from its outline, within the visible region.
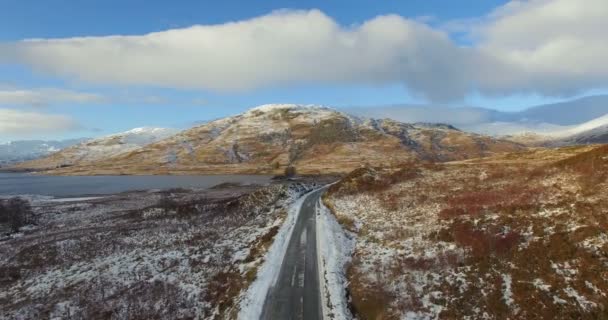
(551, 124)
(590, 132)
(564, 113)
(100, 148)
(539, 119)
(268, 138)
(23, 150)
(274, 136)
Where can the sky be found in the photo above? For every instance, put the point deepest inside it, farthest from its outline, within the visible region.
(90, 68)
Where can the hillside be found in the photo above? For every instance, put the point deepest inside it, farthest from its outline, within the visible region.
(516, 236)
(594, 131)
(314, 139)
(97, 149)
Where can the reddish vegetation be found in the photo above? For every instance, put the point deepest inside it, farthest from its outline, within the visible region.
(481, 242)
(509, 198)
(522, 236)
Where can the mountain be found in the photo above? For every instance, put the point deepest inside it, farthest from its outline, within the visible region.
(314, 139)
(592, 132)
(538, 119)
(572, 112)
(23, 150)
(98, 149)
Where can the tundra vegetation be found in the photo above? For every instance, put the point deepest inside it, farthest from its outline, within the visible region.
(177, 254)
(520, 236)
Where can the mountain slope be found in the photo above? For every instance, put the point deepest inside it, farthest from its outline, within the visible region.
(594, 131)
(23, 150)
(314, 139)
(569, 112)
(516, 236)
(591, 132)
(98, 149)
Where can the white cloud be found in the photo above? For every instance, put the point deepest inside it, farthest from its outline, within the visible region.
(553, 47)
(15, 122)
(281, 48)
(45, 96)
(457, 116)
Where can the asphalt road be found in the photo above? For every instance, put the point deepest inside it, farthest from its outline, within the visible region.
(296, 293)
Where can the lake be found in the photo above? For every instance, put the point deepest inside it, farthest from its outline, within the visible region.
(23, 183)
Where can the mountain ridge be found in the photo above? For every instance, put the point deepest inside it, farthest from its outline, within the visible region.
(538, 119)
(95, 149)
(315, 139)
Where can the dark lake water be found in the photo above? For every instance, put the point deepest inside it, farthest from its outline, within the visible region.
(20, 183)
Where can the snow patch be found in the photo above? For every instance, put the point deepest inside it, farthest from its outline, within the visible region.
(335, 248)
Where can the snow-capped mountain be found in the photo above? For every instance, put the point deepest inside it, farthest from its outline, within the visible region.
(101, 148)
(541, 120)
(315, 139)
(594, 131)
(590, 132)
(23, 150)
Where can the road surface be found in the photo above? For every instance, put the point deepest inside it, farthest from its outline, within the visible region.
(296, 293)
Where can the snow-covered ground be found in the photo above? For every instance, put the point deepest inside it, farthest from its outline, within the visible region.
(142, 255)
(335, 248)
(481, 240)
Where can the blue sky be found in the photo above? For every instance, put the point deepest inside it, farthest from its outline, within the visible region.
(138, 102)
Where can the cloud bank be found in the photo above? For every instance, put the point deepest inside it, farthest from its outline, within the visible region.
(44, 97)
(551, 47)
(15, 122)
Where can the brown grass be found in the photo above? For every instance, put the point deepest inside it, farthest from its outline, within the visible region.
(505, 199)
(591, 167)
(369, 301)
(483, 242)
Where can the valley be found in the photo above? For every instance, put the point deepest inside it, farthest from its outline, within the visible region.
(304, 160)
(341, 217)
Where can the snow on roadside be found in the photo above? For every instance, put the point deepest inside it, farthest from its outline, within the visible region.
(335, 248)
(252, 301)
(73, 199)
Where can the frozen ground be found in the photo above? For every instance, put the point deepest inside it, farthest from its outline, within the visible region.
(147, 255)
(520, 237)
(335, 248)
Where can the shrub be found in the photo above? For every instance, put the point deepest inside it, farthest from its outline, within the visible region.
(363, 179)
(16, 213)
(404, 174)
(483, 242)
(166, 203)
(290, 171)
(276, 165)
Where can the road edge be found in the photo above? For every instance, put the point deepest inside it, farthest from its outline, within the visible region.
(252, 302)
(335, 247)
